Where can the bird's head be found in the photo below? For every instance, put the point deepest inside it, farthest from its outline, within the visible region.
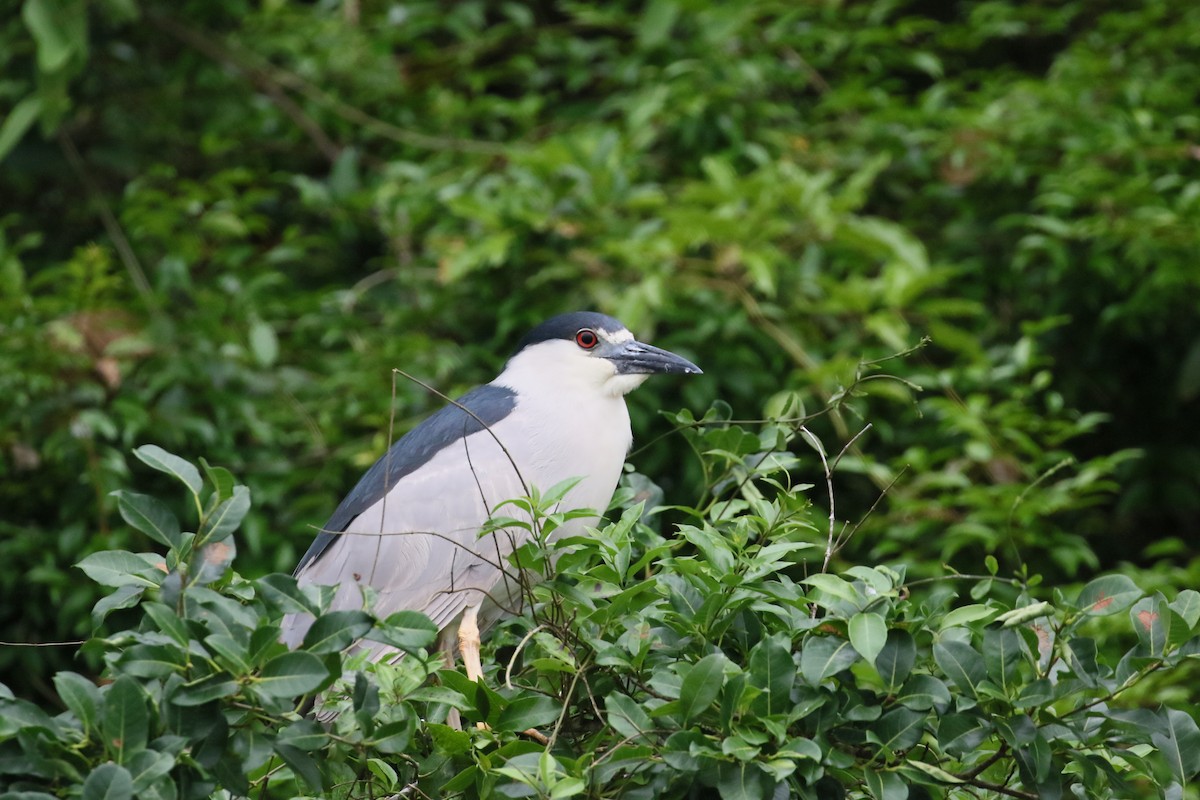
(591, 349)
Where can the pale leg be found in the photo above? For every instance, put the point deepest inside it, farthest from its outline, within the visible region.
(468, 642)
(468, 645)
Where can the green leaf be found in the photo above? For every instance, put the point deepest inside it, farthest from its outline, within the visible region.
(408, 630)
(937, 773)
(154, 456)
(150, 516)
(959, 734)
(834, 586)
(896, 658)
(147, 767)
(962, 664)
(108, 782)
(225, 519)
(60, 29)
(657, 20)
(1152, 622)
(81, 696)
(772, 669)
(303, 764)
(449, 740)
(282, 592)
(823, 656)
(740, 780)
(1179, 745)
(924, 692)
(222, 480)
(898, 730)
(18, 122)
(1108, 595)
(120, 568)
(1003, 650)
(304, 734)
(335, 631)
(212, 560)
(885, 785)
(528, 712)
(1019, 616)
(868, 633)
(167, 621)
(701, 685)
(123, 597)
(231, 651)
(263, 343)
(1187, 605)
(626, 717)
(126, 722)
(291, 674)
(966, 614)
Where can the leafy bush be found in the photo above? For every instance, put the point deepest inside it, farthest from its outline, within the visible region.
(724, 657)
(222, 225)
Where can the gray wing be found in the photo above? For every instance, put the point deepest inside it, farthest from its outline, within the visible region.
(487, 405)
(415, 539)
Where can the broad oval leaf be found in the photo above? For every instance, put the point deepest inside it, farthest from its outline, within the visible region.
(1108, 594)
(81, 696)
(126, 722)
(896, 658)
(291, 674)
(408, 630)
(150, 516)
(701, 685)
(154, 456)
(962, 664)
(824, 656)
(868, 633)
(121, 568)
(626, 717)
(528, 712)
(335, 631)
(226, 517)
(1179, 744)
(108, 782)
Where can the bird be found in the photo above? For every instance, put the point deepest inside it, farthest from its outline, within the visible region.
(411, 528)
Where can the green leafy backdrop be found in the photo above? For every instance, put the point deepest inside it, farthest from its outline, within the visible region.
(223, 224)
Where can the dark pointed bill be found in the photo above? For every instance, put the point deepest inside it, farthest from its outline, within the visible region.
(635, 358)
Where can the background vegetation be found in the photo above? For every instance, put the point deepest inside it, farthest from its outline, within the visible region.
(223, 224)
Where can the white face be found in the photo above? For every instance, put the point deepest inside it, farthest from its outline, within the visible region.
(572, 364)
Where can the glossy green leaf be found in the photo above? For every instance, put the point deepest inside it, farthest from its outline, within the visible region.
(336, 630)
(1108, 594)
(150, 516)
(226, 518)
(108, 782)
(896, 658)
(868, 634)
(1179, 744)
(962, 664)
(154, 456)
(81, 696)
(824, 656)
(125, 722)
(701, 685)
(291, 674)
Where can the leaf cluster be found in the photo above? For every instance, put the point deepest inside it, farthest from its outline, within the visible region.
(722, 657)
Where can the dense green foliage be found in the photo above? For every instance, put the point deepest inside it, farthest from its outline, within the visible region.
(224, 224)
(657, 666)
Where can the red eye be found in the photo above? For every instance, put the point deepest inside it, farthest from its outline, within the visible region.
(587, 339)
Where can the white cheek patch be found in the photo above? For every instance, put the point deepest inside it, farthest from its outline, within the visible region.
(616, 337)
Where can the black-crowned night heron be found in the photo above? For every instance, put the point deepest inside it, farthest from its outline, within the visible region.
(411, 528)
